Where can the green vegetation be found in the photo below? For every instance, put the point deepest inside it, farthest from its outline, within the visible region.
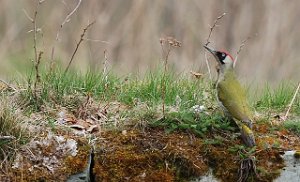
(190, 104)
(198, 123)
(162, 126)
(182, 93)
(278, 98)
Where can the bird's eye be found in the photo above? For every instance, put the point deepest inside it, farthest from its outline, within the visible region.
(223, 54)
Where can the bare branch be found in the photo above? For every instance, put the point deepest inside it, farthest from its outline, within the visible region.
(37, 54)
(66, 20)
(240, 49)
(207, 42)
(78, 44)
(35, 32)
(291, 103)
(212, 28)
(37, 65)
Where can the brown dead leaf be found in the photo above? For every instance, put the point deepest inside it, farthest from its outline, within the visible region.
(196, 75)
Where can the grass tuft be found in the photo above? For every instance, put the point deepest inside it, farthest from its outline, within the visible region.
(278, 99)
(12, 134)
(293, 125)
(180, 91)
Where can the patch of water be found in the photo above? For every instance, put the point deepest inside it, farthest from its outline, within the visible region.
(290, 173)
(206, 178)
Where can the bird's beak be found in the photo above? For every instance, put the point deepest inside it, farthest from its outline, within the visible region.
(210, 50)
(213, 52)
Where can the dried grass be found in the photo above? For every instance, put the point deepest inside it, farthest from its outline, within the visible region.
(12, 133)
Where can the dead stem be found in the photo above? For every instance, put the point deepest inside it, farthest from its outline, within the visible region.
(171, 42)
(212, 28)
(37, 54)
(105, 62)
(78, 44)
(66, 20)
(291, 103)
(240, 49)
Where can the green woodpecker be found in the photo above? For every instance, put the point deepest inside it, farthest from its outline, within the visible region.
(232, 96)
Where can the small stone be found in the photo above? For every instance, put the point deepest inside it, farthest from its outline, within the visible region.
(198, 108)
(297, 154)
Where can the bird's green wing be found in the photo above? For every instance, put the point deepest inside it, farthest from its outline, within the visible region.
(233, 97)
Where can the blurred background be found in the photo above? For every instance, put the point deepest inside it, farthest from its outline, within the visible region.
(130, 31)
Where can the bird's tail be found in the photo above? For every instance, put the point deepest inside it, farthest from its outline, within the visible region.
(246, 134)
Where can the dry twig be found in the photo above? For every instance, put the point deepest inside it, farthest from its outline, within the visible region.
(291, 103)
(78, 44)
(35, 33)
(212, 28)
(240, 49)
(207, 42)
(66, 20)
(37, 72)
(37, 54)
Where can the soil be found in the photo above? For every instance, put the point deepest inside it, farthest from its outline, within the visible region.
(151, 154)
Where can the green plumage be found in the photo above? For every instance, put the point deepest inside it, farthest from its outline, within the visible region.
(233, 97)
